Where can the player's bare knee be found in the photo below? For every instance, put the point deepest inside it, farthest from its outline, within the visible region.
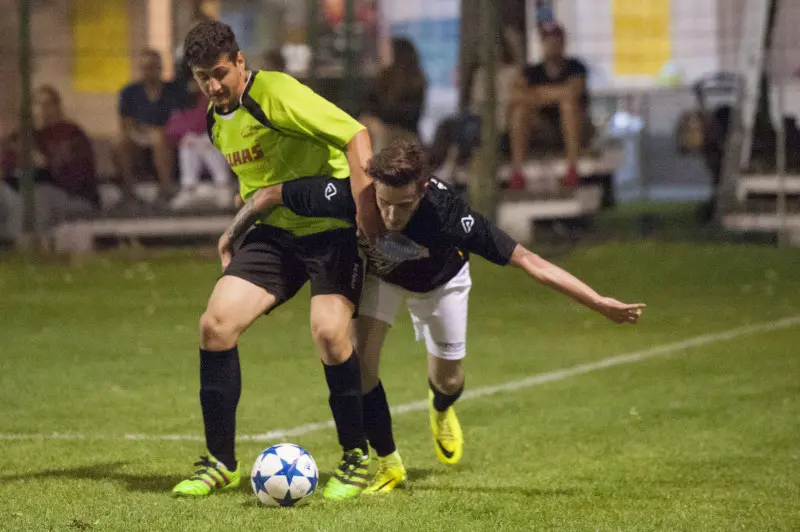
(333, 342)
(449, 384)
(215, 334)
(448, 376)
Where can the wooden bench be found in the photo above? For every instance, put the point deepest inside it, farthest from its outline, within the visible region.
(763, 223)
(517, 214)
(766, 185)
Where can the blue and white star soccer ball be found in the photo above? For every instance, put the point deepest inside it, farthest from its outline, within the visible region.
(284, 475)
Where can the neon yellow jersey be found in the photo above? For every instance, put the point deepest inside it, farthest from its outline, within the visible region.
(283, 131)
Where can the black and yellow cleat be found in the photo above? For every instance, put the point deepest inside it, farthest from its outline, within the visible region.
(212, 476)
(350, 477)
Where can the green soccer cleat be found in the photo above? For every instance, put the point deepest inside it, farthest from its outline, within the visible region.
(390, 474)
(447, 436)
(350, 477)
(212, 476)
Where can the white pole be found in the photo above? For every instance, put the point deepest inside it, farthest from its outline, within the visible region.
(780, 130)
(780, 166)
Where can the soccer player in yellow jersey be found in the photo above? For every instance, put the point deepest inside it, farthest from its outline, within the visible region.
(273, 129)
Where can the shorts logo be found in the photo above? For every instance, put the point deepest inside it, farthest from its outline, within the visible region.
(356, 275)
(467, 222)
(330, 191)
(450, 346)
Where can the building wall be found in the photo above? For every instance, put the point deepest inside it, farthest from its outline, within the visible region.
(705, 37)
(9, 96)
(694, 34)
(52, 55)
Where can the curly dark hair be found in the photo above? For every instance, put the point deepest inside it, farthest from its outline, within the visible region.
(207, 41)
(398, 165)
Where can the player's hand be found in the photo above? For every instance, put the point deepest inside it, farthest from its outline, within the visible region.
(225, 250)
(619, 312)
(368, 217)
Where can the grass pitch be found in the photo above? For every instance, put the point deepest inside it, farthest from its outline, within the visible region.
(705, 438)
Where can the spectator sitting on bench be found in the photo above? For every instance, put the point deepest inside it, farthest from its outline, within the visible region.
(144, 108)
(65, 179)
(187, 130)
(510, 48)
(550, 103)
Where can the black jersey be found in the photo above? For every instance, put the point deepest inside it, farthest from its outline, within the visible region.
(441, 233)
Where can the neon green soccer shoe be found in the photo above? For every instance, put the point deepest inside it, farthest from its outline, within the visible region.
(350, 477)
(212, 476)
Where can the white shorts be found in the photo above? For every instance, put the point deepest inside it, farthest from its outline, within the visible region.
(439, 316)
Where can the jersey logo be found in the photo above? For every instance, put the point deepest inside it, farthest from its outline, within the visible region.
(467, 222)
(247, 155)
(439, 184)
(330, 191)
(250, 130)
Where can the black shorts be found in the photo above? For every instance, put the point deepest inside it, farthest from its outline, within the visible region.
(281, 263)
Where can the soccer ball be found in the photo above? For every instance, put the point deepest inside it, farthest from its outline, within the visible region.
(284, 475)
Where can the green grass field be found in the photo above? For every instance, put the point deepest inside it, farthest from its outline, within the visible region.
(701, 438)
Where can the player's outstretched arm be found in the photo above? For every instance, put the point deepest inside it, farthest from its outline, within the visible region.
(551, 275)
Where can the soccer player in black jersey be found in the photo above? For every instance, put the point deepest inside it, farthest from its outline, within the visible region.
(423, 257)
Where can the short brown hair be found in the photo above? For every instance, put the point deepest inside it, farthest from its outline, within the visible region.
(398, 165)
(207, 41)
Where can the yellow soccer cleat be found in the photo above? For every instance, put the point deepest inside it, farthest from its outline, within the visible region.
(390, 474)
(447, 436)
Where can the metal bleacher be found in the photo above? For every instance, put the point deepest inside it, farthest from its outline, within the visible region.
(757, 199)
(127, 226)
(543, 200)
(518, 212)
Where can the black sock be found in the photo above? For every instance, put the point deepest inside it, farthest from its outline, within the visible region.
(344, 383)
(442, 401)
(220, 388)
(378, 421)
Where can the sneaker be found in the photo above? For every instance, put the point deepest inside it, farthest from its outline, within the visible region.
(447, 436)
(183, 199)
(390, 474)
(350, 477)
(211, 477)
(516, 180)
(222, 198)
(571, 178)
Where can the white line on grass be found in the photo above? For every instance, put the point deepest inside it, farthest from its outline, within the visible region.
(416, 406)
